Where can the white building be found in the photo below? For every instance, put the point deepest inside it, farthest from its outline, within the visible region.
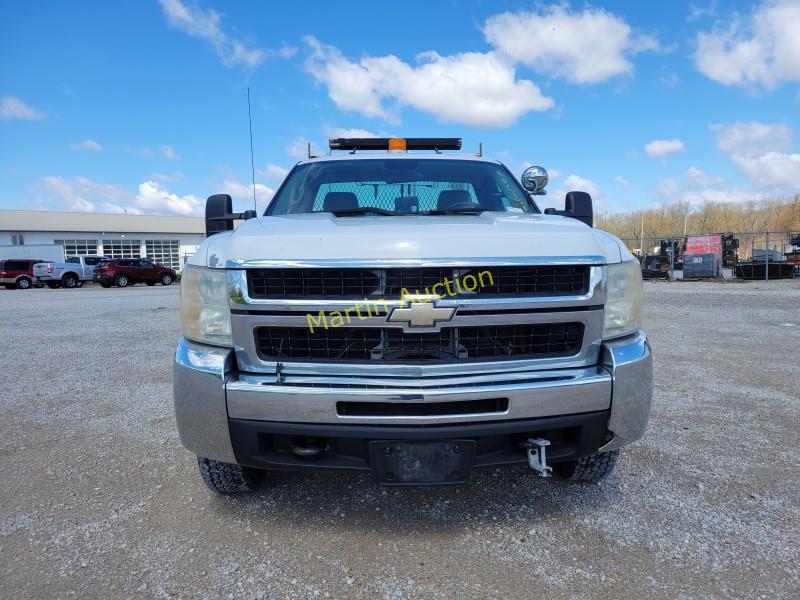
(167, 240)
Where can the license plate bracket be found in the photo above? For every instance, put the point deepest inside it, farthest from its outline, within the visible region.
(444, 462)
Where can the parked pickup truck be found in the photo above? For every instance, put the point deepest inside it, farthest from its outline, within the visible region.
(69, 274)
(415, 315)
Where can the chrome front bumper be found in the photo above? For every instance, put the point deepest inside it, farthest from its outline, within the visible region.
(208, 390)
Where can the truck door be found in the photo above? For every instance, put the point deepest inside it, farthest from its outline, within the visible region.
(89, 263)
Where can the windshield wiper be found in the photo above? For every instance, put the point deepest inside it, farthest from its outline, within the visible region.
(361, 210)
(468, 210)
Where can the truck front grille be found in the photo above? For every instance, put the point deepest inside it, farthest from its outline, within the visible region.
(563, 280)
(451, 344)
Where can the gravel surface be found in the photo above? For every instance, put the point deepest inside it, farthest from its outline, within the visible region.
(98, 498)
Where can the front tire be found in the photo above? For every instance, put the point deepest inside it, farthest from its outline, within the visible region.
(121, 281)
(589, 469)
(225, 478)
(166, 279)
(23, 283)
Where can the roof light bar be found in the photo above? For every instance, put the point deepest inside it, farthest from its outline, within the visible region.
(393, 143)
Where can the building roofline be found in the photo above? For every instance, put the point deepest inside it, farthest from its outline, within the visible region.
(63, 221)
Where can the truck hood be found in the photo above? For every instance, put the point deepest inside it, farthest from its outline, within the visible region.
(490, 235)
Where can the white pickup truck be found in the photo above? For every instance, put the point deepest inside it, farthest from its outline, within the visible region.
(69, 274)
(413, 314)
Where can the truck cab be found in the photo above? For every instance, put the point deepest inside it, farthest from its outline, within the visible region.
(409, 311)
(70, 274)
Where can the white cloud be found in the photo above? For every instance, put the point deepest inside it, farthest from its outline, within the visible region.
(286, 51)
(581, 184)
(12, 107)
(437, 85)
(80, 194)
(670, 79)
(760, 151)
(169, 153)
(84, 195)
(696, 174)
(274, 173)
(751, 138)
(668, 188)
(341, 132)
(176, 176)
(762, 48)
(155, 199)
(205, 25)
(697, 188)
(698, 177)
(572, 182)
(584, 47)
(88, 145)
(774, 169)
(700, 11)
(697, 198)
(662, 148)
(620, 180)
(243, 193)
(298, 149)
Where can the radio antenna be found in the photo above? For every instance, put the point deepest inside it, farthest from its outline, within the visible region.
(252, 161)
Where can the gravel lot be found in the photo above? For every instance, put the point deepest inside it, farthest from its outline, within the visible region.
(98, 498)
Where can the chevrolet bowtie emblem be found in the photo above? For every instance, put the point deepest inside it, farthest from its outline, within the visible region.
(420, 310)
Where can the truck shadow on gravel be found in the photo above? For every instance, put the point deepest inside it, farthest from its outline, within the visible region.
(354, 502)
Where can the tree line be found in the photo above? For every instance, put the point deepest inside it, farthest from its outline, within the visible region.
(679, 218)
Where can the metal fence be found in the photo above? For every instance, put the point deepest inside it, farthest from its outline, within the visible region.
(761, 255)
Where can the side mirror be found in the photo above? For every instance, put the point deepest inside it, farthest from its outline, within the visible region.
(534, 179)
(578, 205)
(220, 215)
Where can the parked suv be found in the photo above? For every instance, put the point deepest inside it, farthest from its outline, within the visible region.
(412, 315)
(17, 273)
(123, 272)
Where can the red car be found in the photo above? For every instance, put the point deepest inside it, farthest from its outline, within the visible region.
(17, 273)
(123, 272)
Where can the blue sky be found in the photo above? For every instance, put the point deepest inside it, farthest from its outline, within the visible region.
(141, 106)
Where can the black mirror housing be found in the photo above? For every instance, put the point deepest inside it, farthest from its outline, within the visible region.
(578, 205)
(219, 217)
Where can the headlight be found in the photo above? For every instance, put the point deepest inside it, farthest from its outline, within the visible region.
(624, 300)
(205, 316)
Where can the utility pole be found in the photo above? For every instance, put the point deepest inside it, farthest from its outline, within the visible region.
(641, 237)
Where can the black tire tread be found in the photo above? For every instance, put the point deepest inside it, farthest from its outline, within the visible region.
(225, 478)
(588, 469)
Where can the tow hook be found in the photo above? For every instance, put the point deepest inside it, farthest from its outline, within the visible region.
(537, 456)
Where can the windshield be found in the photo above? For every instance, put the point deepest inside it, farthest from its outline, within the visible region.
(399, 186)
